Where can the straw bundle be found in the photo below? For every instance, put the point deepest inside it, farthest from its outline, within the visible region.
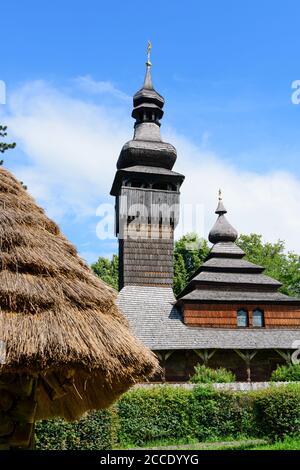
(58, 320)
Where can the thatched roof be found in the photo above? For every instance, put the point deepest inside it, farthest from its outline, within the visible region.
(58, 320)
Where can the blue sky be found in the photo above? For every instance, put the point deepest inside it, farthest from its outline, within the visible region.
(225, 70)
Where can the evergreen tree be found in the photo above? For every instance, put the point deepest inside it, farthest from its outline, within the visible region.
(4, 146)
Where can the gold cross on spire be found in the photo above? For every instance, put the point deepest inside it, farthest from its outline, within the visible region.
(220, 194)
(149, 47)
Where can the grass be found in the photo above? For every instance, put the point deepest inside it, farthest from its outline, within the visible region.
(288, 443)
(162, 443)
(194, 444)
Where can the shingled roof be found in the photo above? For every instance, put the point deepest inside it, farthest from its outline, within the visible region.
(157, 322)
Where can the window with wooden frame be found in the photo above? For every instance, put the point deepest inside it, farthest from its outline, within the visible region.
(242, 318)
(258, 320)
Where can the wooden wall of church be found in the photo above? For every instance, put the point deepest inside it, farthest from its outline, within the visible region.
(225, 315)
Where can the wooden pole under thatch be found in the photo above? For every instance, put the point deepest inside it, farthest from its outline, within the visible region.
(18, 410)
(67, 347)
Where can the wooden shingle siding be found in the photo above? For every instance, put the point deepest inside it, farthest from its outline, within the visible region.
(225, 315)
(147, 262)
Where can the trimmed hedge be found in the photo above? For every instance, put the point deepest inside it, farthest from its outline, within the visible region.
(219, 413)
(95, 431)
(277, 411)
(171, 413)
(156, 413)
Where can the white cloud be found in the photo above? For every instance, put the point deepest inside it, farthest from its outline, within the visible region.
(87, 84)
(259, 203)
(72, 146)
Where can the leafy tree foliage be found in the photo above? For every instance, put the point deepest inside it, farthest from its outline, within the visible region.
(107, 270)
(180, 273)
(189, 253)
(285, 267)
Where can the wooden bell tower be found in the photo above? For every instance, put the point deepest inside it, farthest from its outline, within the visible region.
(147, 196)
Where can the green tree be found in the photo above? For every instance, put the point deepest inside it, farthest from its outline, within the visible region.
(189, 253)
(107, 270)
(180, 274)
(279, 264)
(4, 146)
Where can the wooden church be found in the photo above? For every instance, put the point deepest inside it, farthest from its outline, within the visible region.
(230, 314)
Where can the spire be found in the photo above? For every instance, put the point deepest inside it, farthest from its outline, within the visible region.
(220, 209)
(222, 231)
(148, 80)
(149, 47)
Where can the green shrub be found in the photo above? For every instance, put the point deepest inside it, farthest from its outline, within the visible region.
(94, 431)
(206, 375)
(277, 411)
(286, 373)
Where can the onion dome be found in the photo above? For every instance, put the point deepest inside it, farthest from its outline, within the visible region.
(222, 231)
(146, 147)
